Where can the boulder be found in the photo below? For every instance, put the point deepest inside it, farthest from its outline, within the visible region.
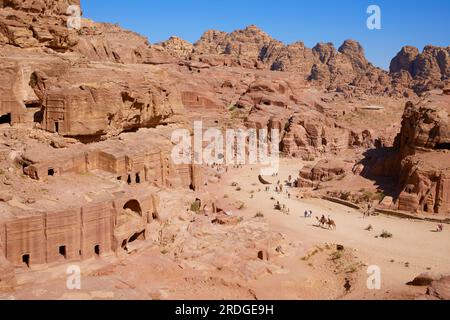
(440, 289)
(323, 171)
(423, 280)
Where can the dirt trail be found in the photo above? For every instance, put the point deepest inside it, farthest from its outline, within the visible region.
(414, 248)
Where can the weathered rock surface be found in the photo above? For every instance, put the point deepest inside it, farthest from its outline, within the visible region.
(324, 170)
(423, 146)
(178, 47)
(419, 158)
(345, 69)
(425, 126)
(440, 289)
(429, 69)
(424, 279)
(7, 275)
(86, 68)
(47, 7)
(105, 83)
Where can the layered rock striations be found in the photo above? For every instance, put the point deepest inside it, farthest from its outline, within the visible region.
(424, 150)
(426, 70)
(96, 106)
(419, 158)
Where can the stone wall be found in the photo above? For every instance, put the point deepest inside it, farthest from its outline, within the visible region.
(423, 149)
(443, 193)
(154, 167)
(72, 234)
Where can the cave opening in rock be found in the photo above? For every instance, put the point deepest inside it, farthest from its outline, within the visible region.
(32, 105)
(62, 251)
(430, 208)
(97, 250)
(51, 172)
(5, 119)
(137, 236)
(138, 178)
(443, 146)
(26, 260)
(134, 206)
(38, 116)
(56, 126)
(129, 179)
(87, 139)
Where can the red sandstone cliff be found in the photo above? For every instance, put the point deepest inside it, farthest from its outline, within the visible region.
(428, 70)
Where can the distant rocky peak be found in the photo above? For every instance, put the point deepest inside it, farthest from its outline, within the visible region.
(213, 35)
(429, 68)
(255, 30)
(351, 47)
(298, 45)
(251, 34)
(177, 47)
(324, 51)
(403, 60)
(355, 52)
(174, 40)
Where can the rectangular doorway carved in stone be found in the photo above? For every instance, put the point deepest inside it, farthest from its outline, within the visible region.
(62, 251)
(26, 260)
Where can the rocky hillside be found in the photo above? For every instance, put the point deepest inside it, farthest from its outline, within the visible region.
(42, 24)
(123, 82)
(426, 70)
(345, 69)
(44, 7)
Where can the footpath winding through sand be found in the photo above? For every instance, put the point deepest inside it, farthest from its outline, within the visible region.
(414, 248)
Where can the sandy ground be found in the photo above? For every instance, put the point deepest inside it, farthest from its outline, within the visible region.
(415, 247)
(306, 268)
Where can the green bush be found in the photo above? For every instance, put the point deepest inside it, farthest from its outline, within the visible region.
(195, 207)
(259, 214)
(386, 235)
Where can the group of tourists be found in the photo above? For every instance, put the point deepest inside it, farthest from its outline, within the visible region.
(308, 214)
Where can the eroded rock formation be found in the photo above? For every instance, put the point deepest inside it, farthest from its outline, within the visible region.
(93, 109)
(429, 69)
(419, 158)
(324, 170)
(424, 145)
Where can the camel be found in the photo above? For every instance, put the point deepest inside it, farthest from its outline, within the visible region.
(331, 224)
(324, 221)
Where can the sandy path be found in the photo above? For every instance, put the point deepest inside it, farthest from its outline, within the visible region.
(413, 242)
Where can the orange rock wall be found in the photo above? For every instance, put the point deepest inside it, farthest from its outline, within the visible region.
(71, 234)
(153, 167)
